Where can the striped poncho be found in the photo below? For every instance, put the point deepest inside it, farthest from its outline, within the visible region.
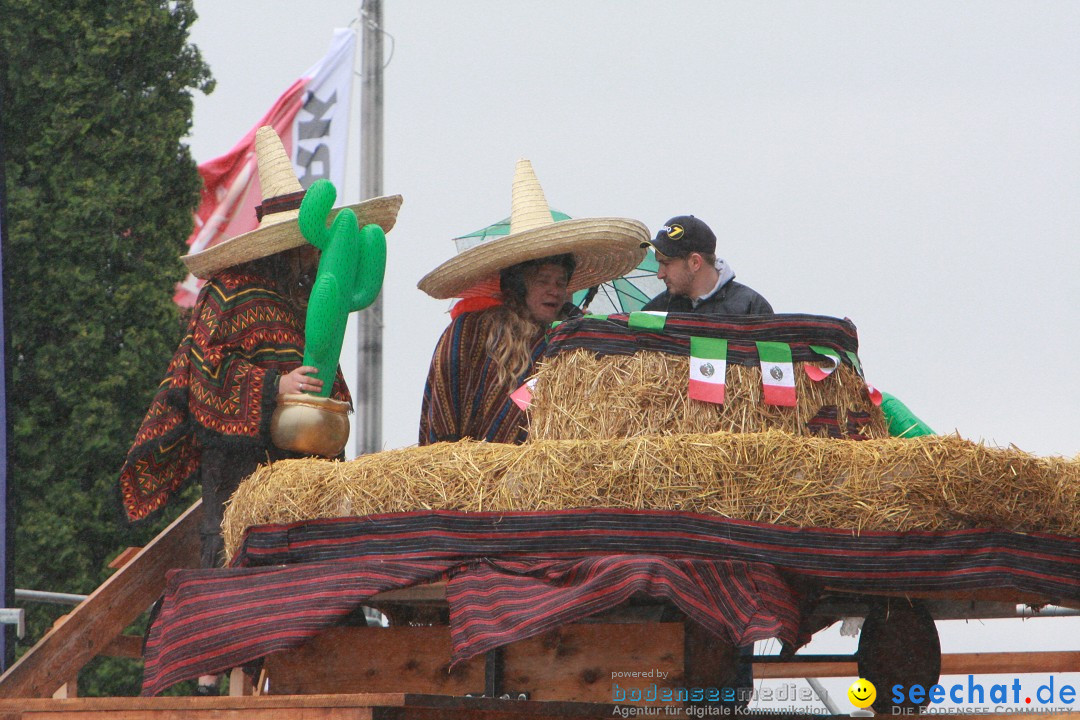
(220, 387)
(462, 398)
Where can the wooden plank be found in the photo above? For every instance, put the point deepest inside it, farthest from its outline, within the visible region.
(360, 713)
(115, 604)
(1009, 662)
(125, 646)
(708, 661)
(576, 663)
(504, 710)
(368, 659)
(124, 557)
(823, 669)
(422, 707)
(184, 704)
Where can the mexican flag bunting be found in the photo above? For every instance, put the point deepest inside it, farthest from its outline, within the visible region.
(708, 369)
(777, 373)
(647, 320)
(817, 374)
(874, 393)
(855, 362)
(522, 397)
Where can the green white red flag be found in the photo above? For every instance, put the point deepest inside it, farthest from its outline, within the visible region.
(817, 374)
(855, 362)
(708, 369)
(874, 393)
(647, 320)
(777, 373)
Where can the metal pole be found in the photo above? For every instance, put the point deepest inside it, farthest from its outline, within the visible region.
(823, 696)
(368, 396)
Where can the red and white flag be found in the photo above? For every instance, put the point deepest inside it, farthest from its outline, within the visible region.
(817, 374)
(522, 397)
(874, 393)
(312, 119)
(777, 373)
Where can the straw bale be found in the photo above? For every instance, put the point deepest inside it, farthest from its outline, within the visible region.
(580, 396)
(927, 483)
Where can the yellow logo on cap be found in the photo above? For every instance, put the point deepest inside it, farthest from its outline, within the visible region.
(675, 232)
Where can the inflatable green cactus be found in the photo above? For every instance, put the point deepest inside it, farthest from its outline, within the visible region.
(351, 266)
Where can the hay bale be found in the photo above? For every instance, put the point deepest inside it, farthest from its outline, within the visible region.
(579, 396)
(927, 483)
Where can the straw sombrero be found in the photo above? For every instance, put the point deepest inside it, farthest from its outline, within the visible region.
(281, 196)
(604, 248)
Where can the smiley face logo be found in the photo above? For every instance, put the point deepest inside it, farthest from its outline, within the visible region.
(862, 693)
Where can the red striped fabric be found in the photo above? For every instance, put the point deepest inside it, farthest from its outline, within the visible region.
(612, 336)
(513, 575)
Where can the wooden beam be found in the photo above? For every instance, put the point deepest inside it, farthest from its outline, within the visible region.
(124, 646)
(98, 620)
(1009, 662)
(224, 702)
(814, 669)
(575, 663)
(124, 557)
(388, 706)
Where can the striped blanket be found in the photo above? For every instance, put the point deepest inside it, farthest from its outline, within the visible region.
(615, 335)
(514, 575)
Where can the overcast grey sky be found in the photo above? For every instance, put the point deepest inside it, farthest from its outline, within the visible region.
(914, 166)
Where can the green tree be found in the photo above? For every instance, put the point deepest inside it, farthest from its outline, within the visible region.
(96, 97)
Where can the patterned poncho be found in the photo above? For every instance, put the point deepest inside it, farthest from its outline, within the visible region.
(220, 386)
(462, 398)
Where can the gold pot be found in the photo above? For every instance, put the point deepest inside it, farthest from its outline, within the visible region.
(310, 425)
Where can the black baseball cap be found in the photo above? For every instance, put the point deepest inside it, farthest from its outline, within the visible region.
(682, 235)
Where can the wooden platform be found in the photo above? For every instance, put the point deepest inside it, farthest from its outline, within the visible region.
(385, 706)
(370, 706)
(402, 671)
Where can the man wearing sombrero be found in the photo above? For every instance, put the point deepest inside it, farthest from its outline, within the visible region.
(514, 287)
(243, 349)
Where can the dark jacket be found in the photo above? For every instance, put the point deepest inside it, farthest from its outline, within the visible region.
(733, 298)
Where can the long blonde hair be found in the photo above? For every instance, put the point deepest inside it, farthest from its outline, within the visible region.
(510, 343)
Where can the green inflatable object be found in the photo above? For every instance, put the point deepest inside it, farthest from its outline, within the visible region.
(902, 422)
(351, 267)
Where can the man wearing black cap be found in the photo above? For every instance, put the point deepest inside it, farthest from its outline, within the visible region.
(698, 282)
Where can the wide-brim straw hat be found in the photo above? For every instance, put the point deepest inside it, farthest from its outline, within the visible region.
(603, 248)
(278, 230)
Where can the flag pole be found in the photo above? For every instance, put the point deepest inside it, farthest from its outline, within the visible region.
(368, 396)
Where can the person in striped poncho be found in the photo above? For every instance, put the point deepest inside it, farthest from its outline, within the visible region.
(511, 288)
(485, 355)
